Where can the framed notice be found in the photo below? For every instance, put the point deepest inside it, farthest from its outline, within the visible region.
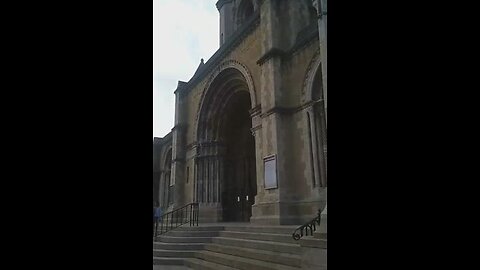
(270, 177)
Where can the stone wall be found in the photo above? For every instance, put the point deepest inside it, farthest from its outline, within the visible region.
(278, 58)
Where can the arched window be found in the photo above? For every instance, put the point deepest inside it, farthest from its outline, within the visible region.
(245, 11)
(318, 130)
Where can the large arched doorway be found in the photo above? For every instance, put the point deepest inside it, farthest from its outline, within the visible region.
(239, 187)
(225, 161)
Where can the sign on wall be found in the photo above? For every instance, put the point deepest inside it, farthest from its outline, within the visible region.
(270, 166)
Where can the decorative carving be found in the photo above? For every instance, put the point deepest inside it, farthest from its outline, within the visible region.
(221, 67)
(191, 145)
(254, 129)
(255, 110)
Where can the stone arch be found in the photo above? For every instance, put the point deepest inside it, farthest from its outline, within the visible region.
(164, 155)
(313, 68)
(312, 97)
(225, 174)
(234, 64)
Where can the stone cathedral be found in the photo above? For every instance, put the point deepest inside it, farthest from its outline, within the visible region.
(249, 143)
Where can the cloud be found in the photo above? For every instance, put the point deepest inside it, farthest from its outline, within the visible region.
(184, 31)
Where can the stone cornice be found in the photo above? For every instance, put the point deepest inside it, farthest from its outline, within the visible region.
(273, 52)
(279, 110)
(220, 3)
(181, 160)
(255, 111)
(209, 156)
(254, 129)
(180, 86)
(290, 110)
(307, 105)
(165, 139)
(210, 144)
(191, 145)
(304, 37)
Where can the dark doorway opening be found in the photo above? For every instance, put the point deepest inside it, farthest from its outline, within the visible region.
(239, 184)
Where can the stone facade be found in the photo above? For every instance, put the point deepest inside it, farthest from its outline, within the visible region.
(162, 159)
(258, 99)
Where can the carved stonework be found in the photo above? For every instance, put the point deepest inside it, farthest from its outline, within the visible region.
(221, 67)
(255, 111)
(310, 76)
(255, 129)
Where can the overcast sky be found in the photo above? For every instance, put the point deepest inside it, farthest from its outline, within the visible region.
(184, 31)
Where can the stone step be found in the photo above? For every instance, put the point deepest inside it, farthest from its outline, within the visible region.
(319, 235)
(258, 244)
(199, 264)
(167, 261)
(310, 241)
(174, 239)
(173, 253)
(263, 229)
(200, 228)
(239, 262)
(274, 237)
(263, 255)
(178, 246)
(185, 233)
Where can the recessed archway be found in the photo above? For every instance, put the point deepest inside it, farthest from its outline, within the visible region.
(225, 161)
(312, 95)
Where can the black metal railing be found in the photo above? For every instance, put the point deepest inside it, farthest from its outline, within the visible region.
(307, 227)
(176, 218)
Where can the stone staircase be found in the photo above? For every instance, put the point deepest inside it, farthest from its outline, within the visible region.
(229, 247)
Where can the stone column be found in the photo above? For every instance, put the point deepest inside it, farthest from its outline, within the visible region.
(273, 206)
(314, 146)
(195, 179)
(266, 209)
(160, 188)
(178, 167)
(208, 187)
(221, 176)
(166, 190)
(225, 8)
(178, 149)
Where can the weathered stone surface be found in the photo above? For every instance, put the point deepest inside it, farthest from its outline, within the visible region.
(260, 95)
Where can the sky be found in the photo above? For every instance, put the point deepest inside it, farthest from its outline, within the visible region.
(184, 31)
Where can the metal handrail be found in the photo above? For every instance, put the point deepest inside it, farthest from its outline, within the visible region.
(176, 218)
(309, 226)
